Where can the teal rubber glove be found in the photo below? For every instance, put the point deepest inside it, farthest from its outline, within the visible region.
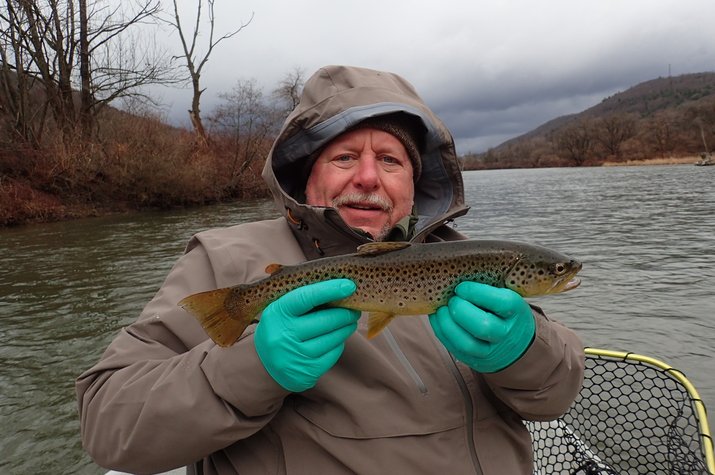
(485, 327)
(298, 343)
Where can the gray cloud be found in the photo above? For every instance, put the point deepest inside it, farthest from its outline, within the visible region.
(491, 70)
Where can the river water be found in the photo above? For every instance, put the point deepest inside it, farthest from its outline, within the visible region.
(646, 236)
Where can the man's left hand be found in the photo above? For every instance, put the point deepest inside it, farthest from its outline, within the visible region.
(485, 327)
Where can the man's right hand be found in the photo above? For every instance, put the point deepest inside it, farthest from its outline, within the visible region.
(296, 343)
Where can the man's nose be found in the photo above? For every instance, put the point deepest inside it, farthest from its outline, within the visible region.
(367, 175)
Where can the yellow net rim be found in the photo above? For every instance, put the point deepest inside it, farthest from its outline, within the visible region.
(699, 406)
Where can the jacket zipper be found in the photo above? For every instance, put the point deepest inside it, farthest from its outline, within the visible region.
(468, 405)
(405, 362)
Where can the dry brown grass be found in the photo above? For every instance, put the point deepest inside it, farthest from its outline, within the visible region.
(654, 161)
(136, 163)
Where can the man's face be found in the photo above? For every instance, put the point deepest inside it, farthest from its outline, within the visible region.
(366, 175)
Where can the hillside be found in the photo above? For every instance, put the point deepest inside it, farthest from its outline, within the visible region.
(664, 117)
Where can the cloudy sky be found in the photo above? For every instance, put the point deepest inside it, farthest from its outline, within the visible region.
(491, 69)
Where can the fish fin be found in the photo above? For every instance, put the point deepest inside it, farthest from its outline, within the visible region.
(210, 310)
(377, 248)
(377, 321)
(273, 268)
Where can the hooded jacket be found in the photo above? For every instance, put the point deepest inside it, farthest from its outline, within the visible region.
(163, 395)
(339, 98)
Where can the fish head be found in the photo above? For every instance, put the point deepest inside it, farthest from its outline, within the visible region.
(542, 273)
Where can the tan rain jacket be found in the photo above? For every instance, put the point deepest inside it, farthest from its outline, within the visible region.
(164, 396)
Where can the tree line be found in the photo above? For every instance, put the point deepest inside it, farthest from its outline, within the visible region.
(66, 151)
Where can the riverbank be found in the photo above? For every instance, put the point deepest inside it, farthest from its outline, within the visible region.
(23, 201)
(134, 164)
(21, 204)
(689, 160)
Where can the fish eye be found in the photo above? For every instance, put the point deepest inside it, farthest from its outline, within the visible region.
(559, 268)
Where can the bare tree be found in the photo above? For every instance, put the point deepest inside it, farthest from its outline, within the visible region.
(43, 42)
(85, 75)
(699, 122)
(46, 42)
(248, 121)
(194, 62)
(123, 59)
(702, 115)
(575, 142)
(15, 84)
(612, 131)
(661, 130)
(289, 90)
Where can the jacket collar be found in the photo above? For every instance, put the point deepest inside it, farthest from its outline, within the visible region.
(321, 232)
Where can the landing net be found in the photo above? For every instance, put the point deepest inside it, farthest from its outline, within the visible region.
(634, 415)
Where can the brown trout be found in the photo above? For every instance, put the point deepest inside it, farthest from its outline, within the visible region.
(392, 278)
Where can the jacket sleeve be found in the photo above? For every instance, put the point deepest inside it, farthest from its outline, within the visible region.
(163, 395)
(544, 382)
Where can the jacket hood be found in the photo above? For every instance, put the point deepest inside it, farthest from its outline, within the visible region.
(337, 98)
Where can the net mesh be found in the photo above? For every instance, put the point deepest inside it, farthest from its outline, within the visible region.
(630, 418)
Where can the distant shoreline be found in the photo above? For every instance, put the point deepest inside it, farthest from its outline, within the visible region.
(654, 161)
(49, 208)
(688, 160)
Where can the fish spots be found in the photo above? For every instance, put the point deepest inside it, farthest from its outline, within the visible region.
(415, 279)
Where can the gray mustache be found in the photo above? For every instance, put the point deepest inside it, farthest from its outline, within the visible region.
(363, 199)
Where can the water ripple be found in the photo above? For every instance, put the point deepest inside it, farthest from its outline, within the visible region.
(646, 236)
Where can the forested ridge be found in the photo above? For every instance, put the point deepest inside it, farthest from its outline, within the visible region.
(661, 118)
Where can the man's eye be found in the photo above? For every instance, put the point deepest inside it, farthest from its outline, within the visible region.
(390, 160)
(344, 161)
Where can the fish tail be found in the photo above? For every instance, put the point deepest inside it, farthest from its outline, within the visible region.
(213, 314)
(377, 321)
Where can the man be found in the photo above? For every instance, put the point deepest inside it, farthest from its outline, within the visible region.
(361, 158)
